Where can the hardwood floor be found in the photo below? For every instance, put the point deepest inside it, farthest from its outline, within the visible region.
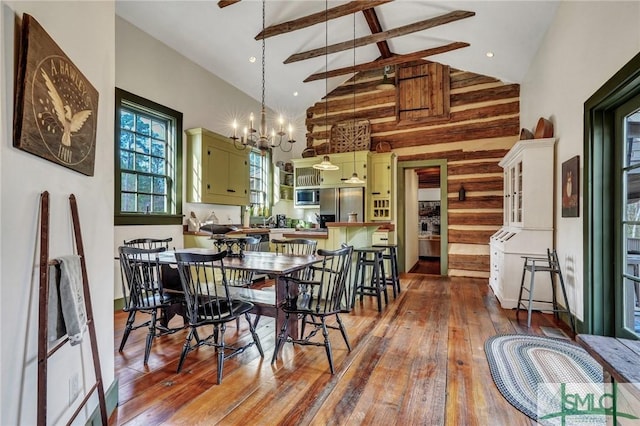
(420, 361)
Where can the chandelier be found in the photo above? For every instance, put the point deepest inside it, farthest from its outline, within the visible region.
(261, 138)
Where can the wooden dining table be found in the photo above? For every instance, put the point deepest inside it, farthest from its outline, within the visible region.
(276, 265)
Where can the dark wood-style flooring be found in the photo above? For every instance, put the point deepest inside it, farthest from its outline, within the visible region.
(419, 362)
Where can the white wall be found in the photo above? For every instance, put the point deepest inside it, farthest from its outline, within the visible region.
(586, 44)
(429, 194)
(85, 31)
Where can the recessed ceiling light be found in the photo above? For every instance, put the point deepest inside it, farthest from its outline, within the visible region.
(295, 93)
(252, 59)
(489, 54)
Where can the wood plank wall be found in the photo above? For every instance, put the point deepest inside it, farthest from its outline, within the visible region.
(484, 124)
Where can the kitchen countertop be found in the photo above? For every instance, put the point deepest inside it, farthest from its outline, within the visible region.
(381, 225)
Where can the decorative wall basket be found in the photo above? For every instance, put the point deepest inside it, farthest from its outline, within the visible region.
(350, 136)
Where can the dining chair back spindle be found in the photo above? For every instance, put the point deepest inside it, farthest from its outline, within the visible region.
(209, 303)
(297, 246)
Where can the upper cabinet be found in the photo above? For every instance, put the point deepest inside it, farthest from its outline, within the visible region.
(217, 173)
(381, 186)
(528, 184)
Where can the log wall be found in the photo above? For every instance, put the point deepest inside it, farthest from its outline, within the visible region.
(483, 124)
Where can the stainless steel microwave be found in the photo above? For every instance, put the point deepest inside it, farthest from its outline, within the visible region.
(308, 197)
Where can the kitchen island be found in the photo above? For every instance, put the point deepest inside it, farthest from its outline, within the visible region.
(357, 234)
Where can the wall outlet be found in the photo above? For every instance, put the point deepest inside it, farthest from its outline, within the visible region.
(74, 387)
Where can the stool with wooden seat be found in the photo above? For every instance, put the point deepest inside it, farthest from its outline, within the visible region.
(549, 264)
(370, 257)
(391, 254)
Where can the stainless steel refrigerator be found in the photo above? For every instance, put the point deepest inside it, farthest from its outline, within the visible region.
(341, 202)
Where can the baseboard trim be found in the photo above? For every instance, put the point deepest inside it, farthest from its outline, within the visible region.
(118, 304)
(111, 399)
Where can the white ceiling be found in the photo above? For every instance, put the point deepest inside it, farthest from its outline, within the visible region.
(222, 40)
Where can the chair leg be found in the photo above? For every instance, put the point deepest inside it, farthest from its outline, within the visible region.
(533, 273)
(185, 348)
(281, 338)
(394, 269)
(343, 331)
(150, 336)
(256, 339)
(327, 344)
(524, 271)
(219, 338)
(566, 301)
(127, 329)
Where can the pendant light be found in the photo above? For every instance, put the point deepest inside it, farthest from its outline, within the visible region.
(354, 179)
(386, 82)
(326, 162)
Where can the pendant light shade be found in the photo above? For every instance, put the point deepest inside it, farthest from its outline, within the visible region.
(354, 179)
(325, 164)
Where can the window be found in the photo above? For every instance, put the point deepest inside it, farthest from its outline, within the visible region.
(148, 168)
(259, 181)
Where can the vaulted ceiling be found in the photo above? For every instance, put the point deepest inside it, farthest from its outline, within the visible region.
(222, 36)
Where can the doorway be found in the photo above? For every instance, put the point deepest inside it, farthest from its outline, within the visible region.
(426, 225)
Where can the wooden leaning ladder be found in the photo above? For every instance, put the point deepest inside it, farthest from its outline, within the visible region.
(43, 351)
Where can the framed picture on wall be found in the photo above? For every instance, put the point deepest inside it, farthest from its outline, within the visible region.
(571, 187)
(56, 107)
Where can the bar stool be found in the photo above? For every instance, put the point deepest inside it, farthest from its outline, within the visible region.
(377, 286)
(549, 264)
(391, 255)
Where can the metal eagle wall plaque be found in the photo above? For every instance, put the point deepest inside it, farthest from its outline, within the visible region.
(56, 107)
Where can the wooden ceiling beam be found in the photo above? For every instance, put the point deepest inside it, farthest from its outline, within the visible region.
(316, 18)
(394, 60)
(385, 35)
(374, 25)
(225, 3)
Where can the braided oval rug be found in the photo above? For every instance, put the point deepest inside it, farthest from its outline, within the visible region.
(527, 368)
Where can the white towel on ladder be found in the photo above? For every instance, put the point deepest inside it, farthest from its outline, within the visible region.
(72, 297)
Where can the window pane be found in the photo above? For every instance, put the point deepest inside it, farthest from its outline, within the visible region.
(128, 202)
(143, 125)
(632, 131)
(144, 183)
(128, 182)
(144, 203)
(143, 144)
(159, 204)
(126, 119)
(142, 163)
(632, 182)
(159, 185)
(158, 149)
(126, 140)
(126, 160)
(159, 130)
(157, 166)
